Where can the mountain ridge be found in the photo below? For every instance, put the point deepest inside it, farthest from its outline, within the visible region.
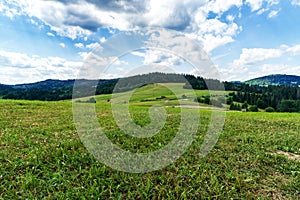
(275, 79)
(272, 79)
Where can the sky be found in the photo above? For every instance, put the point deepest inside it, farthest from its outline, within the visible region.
(44, 39)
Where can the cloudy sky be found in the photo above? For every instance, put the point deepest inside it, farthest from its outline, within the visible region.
(43, 39)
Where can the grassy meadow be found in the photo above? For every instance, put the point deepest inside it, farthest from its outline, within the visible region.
(42, 156)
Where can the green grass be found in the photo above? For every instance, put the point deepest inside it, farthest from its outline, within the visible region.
(41, 155)
(147, 95)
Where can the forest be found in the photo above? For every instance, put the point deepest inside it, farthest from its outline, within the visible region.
(281, 98)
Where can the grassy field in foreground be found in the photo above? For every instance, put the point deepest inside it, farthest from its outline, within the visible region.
(41, 156)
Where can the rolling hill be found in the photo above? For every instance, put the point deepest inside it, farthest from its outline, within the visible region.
(275, 79)
(51, 84)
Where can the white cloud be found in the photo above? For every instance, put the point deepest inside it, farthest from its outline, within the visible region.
(214, 33)
(258, 5)
(62, 45)
(88, 46)
(295, 50)
(166, 13)
(255, 4)
(120, 62)
(252, 56)
(84, 55)
(138, 53)
(93, 45)
(257, 62)
(9, 11)
(273, 13)
(243, 73)
(211, 42)
(102, 39)
(16, 59)
(75, 19)
(21, 68)
(160, 58)
(295, 2)
(95, 67)
(121, 69)
(50, 34)
(230, 18)
(79, 45)
(220, 6)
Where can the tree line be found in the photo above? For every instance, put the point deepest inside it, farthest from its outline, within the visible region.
(275, 98)
(243, 96)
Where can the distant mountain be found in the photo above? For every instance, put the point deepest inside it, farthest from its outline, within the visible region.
(52, 90)
(5, 87)
(276, 79)
(52, 84)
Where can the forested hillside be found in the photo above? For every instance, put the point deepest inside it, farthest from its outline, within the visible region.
(277, 79)
(284, 98)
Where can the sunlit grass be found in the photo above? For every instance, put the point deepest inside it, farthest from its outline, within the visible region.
(41, 155)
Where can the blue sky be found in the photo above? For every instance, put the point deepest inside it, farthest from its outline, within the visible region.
(51, 39)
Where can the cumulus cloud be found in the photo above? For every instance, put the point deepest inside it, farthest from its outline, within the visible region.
(80, 18)
(258, 5)
(255, 4)
(94, 45)
(88, 47)
(79, 45)
(97, 67)
(161, 58)
(83, 54)
(9, 10)
(213, 33)
(35, 68)
(254, 55)
(257, 62)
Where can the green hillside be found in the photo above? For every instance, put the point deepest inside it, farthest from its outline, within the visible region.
(42, 156)
(277, 79)
(167, 94)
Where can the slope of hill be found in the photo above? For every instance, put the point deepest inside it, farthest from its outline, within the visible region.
(58, 89)
(276, 79)
(51, 90)
(52, 84)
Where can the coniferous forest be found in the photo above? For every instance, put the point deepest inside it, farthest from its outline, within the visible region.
(281, 98)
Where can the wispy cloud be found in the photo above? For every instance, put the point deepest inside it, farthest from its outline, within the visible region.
(50, 34)
(295, 50)
(295, 2)
(273, 13)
